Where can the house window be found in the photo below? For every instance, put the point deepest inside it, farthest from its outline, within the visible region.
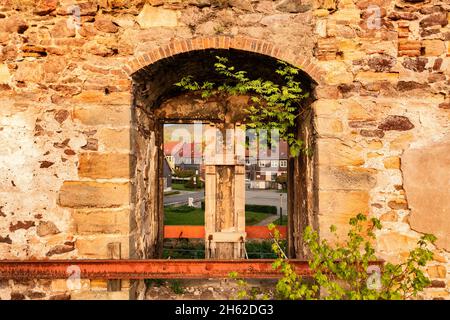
(274, 163)
(283, 163)
(262, 163)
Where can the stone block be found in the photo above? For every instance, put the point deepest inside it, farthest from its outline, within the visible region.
(437, 271)
(392, 163)
(402, 142)
(326, 108)
(337, 208)
(85, 194)
(114, 139)
(5, 76)
(369, 76)
(92, 115)
(390, 216)
(90, 247)
(346, 178)
(97, 97)
(328, 126)
(343, 205)
(90, 221)
(150, 17)
(100, 295)
(104, 165)
(335, 153)
(433, 47)
(427, 189)
(394, 242)
(28, 71)
(336, 73)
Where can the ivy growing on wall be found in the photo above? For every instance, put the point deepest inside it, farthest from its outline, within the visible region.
(273, 105)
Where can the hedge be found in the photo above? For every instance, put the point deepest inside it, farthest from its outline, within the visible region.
(255, 208)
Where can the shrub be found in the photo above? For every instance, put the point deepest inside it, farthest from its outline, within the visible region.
(198, 185)
(255, 208)
(261, 208)
(183, 173)
(344, 272)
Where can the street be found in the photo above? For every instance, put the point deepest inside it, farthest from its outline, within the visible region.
(263, 197)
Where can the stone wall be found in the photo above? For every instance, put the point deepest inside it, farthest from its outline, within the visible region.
(68, 129)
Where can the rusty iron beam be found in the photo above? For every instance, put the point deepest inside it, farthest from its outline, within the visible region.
(198, 232)
(143, 269)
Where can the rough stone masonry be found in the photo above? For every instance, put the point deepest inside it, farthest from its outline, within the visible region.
(381, 118)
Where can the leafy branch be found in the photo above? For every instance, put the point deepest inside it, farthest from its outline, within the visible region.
(342, 271)
(273, 105)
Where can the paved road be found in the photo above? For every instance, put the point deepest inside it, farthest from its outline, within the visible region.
(264, 197)
(183, 196)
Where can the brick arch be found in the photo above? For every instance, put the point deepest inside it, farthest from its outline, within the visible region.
(225, 42)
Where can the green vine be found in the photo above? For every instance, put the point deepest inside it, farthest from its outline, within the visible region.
(346, 271)
(273, 106)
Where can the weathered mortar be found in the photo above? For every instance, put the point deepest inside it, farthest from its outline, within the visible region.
(66, 116)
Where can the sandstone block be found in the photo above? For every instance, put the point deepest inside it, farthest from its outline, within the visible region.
(113, 139)
(328, 126)
(337, 208)
(93, 115)
(44, 7)
(97, 246)
(5, 76)
(427, 189)
(343, 204)
(105, 24)
(105, 166)
(335, 153)
(46, 228)
(358, 111)
(28, 71)
(349, 15)
(84, 194)
(63, 30)
(374, 144)
(343, 178)
(99, 97)
(101, 221)
(436, 19)
(326, 107)
(398, 204)
(369, 76)
(395, 242)
(13, 24)
(402, 142)
(392, 163)
(390, 216)
(337, 73)
(151, 17)
(395, 122)
(87, 8)
(433, 47)
(437, 271)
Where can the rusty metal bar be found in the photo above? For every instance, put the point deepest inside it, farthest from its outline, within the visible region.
(198, 232)
(144, 269)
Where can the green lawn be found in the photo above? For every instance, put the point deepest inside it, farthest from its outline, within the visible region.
(188, 216)
(284, 222)
(181, 186)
